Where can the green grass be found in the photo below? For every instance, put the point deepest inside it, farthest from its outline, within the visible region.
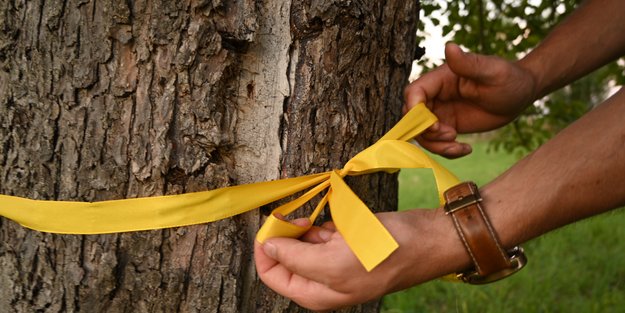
(417, 187)
(578, 268)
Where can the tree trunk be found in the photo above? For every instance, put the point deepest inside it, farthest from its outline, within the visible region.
(117, 99)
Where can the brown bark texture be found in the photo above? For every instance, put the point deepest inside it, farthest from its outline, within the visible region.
(118, 99)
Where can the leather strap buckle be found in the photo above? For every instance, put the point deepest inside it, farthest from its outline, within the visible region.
(463, 204)
(517, 262)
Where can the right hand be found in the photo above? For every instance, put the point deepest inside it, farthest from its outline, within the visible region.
(320, 272)
(470, 93)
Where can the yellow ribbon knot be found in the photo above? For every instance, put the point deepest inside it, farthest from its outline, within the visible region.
(362, 231)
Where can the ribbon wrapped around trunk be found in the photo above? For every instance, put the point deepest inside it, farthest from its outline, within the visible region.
(362, 231)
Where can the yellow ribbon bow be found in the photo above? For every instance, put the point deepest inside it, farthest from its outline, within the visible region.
(362, 231)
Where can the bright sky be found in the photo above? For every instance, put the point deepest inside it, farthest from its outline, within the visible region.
(434, 43)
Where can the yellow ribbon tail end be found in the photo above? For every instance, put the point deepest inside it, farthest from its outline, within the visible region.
(361, 229)
(453, 278)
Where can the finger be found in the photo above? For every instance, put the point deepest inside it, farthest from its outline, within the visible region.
(447, 149)
(302, 221)
(317, 234)
(425, 88)
(263, 262)
(313, 260)
(469, 65)
(413, 95)
(306, 292)
(329, 225)
(320, 234)
(304, 258)
(442, 132)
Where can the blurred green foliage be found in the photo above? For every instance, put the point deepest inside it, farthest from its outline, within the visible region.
(510, 29)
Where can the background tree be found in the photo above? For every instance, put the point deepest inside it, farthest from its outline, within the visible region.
(510, 28)
(121, 99)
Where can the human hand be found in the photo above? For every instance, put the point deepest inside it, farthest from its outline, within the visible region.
(319, 271)
(470, 93)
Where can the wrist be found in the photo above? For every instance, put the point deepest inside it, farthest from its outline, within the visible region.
(532, 68)
(432, 244)
(491, 261)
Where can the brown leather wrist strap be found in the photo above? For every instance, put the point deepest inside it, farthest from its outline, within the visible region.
(492, 262)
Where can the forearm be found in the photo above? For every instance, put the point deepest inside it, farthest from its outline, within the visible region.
(579, 173)
(590, 37)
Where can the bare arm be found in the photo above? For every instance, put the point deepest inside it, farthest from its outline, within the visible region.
(579, 173)
(590, 37)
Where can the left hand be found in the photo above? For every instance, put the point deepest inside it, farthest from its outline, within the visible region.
(320, 272)
(470, 93)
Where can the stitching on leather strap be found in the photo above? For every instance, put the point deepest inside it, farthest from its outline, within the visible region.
(492, 232)
(464, 241)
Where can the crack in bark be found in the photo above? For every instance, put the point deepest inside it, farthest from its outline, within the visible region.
(129, 145)
(118, 269)
(93, 9)
(40, 17)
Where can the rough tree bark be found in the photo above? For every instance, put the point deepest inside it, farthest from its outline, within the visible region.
(121, 99)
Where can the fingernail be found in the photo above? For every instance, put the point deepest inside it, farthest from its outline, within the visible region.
(451, 150)
(270, 250)
(301, 222)
(325, 234)
(467, 148)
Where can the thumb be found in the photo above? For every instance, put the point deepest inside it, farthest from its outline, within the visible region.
(469, 65)
(302, 258)
(283, 249)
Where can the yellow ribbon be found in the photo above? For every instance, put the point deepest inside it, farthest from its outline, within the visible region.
(363, 232)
